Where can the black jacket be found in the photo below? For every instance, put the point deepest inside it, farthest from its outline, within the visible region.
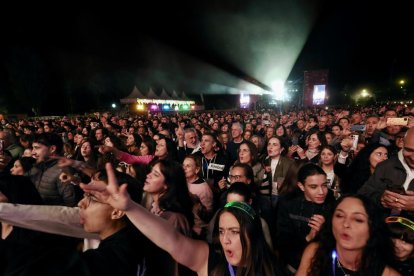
(292, 226)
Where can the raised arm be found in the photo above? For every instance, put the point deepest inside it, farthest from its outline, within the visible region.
(189, 252)
(59, 220)
(126, 157)
(306, 260)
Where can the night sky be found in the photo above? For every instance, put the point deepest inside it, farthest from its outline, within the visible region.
(71, 59)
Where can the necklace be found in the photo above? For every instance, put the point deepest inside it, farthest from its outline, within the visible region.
(342, 268)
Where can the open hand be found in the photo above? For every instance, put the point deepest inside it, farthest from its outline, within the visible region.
(114, 195)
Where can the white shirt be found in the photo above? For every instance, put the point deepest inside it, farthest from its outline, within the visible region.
(273, 165)
(408, 170)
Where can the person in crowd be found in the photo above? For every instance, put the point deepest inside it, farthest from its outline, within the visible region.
(371, 133)
(200, 189)
(402, 234)
(260, 144)
(241, 192)
(100, 134)
(247, 134)
(238, 173)
(239, 246)
(327, 160)
(337, 132)
(214, 164)
(122, 247)
(85, 131)
(399, 139)
(22, 166)
(329, 136)
(234, 144)
(88, 153)
(148, 146)
(188, 142)
(10, 144)
(276, 167)
(45, 173)
(165, 149)
(68, 151)
(133, 143)
(323, 123)
(26, 140)
(77, 141)
(362, 167)
(110, 140)
(281, 132)
(270, 131)
(300, 219)
(353, 241)
(167, 186)
(224, 139)
(248, 155)
(19, 247)
(345, 124)
(315, 141)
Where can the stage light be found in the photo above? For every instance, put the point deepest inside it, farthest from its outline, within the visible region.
(278, 89)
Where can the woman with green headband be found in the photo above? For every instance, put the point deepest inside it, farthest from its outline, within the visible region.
(238, 245)
(402, 234)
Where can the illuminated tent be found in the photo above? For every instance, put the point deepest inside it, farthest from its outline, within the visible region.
(155, 102)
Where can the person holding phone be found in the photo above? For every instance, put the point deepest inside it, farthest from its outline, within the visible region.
(300, 218)
(396, 171)
(188, 142)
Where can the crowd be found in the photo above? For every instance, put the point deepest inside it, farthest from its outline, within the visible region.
(302, 192)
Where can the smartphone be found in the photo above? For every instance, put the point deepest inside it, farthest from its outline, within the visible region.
(359, 128)
(396, 189)
(397, 121)
(355, 138)
(295, 141)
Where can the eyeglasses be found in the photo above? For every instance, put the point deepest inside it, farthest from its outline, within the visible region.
(91, 198)
(406, 222)
(235, 177)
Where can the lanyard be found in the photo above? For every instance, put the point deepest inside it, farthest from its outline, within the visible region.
(231, 269)
(206, 164)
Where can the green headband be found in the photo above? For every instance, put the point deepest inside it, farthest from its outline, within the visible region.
(404, 221)
(242, 206)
